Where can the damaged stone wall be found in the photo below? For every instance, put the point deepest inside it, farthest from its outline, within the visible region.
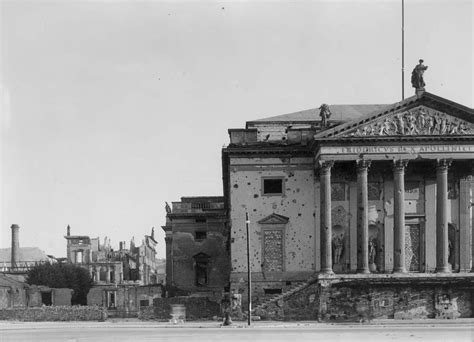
(187, 246)
(359, 301)
(128, 299)
(196, 308)
(296, 203)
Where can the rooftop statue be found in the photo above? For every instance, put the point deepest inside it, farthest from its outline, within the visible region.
(324, 113)
(167, 208)
(417, 76)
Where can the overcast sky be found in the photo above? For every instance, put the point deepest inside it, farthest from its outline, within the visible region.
(109, 109)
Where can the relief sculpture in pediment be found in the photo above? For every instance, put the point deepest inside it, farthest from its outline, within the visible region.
(419, 121)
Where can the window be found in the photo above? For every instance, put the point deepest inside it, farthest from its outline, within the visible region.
(272, 291)
(201, 235)
(144, 302)
(111, 299)
(46, 298)
(201, 220)
(273, 186)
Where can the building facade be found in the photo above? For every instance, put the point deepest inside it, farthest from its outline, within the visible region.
(136, 265)
(197, 245)
(366, 190)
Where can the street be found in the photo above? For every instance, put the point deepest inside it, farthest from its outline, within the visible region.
(210, 331)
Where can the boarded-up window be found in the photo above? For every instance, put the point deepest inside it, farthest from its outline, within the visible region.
(273, 250)
(374, 191)
(338, 192)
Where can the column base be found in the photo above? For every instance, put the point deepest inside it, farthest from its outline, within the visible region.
(363, 271)
(443, 269)
(326, 271)
(399, 270)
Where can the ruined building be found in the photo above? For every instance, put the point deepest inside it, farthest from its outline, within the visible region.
(197, 245)
(109, 266)
(372, 200)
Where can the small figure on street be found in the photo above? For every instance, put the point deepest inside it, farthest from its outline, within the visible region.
(417, 76)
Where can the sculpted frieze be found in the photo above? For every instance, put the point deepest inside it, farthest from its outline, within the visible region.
(418, 121)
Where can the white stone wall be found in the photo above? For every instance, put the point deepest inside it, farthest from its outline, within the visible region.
(297, 203)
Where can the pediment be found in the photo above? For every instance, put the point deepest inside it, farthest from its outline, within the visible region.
(274, 219)
(429, 115)
(420, 120)
(201, 256)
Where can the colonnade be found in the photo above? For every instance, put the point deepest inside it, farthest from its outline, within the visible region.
(95, 273)
(399, 166)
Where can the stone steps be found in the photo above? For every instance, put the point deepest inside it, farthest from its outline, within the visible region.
(280, 296)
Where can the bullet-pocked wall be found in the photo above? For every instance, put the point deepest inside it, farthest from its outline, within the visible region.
(279, 196)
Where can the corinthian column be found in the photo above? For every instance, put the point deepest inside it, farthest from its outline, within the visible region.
(399, 216)
(362, 217)
(442, 248)
(326, 224)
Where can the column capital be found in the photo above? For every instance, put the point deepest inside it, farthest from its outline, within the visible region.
(443, 164)
(325, 166)
(363, 164)
(399, 164)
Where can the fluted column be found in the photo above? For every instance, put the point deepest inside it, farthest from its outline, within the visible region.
(326, 224)
(442, 247)
(399, 216)
(362, 217)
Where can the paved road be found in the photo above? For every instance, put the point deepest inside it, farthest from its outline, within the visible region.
(94, 331)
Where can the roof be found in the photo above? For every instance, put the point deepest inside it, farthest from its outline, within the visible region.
(10, 282)
(426, 98)
(25, 254)
(338, 113)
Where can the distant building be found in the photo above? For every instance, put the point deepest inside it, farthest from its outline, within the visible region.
(107, 266)
(197, 245)
(16, 261)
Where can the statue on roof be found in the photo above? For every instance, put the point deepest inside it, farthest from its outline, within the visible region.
(417, 76)
(324, 113)
(167, 208)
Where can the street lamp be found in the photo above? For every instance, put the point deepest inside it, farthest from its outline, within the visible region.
(249, 278)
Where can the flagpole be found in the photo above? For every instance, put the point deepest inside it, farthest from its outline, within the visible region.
(403, 50)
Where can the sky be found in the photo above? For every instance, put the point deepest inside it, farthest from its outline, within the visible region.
(111, 108)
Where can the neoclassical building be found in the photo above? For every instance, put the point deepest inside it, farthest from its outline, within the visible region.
(363, 191)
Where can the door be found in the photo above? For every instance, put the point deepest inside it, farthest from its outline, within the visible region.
(413, 247)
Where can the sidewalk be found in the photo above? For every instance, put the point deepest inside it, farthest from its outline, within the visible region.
(124, 323)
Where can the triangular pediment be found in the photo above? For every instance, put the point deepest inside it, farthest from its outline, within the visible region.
(428, 116)
(274, 219)
(201, 256)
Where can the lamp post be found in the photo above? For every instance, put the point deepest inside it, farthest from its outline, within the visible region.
(249, 279)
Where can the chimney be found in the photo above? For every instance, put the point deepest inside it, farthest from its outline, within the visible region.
(15, 245)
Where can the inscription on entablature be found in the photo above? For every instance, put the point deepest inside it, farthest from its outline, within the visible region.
(410, 149)
(418, 121)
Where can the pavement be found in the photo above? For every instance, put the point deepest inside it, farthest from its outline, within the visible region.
(135, 323)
